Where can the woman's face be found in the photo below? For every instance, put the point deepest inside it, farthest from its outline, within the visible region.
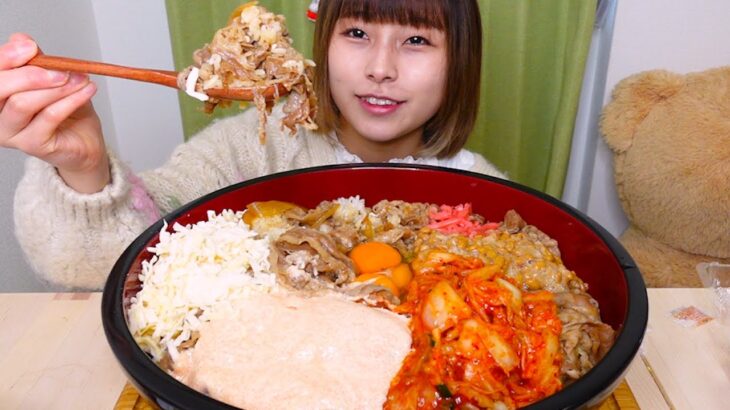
(386, 79)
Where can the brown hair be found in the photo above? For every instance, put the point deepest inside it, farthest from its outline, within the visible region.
(446, 132)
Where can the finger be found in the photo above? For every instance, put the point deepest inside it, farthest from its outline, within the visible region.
(20, 108)
(19, 37)
(16, 78)
(34, 137)
(25, 79)
(23, 36)
(16, 53)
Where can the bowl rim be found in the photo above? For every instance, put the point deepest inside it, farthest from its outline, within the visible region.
(143, 372)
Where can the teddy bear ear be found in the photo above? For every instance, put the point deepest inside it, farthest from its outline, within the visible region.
(631, 101)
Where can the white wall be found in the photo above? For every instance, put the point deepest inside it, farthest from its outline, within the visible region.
(141, 121)
(677, 35)
(146, 117)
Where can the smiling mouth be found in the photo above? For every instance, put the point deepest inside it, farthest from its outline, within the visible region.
(380, 101)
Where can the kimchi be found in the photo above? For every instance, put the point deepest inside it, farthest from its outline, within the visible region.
(478, 340)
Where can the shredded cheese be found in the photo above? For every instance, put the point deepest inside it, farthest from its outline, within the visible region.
(194, 269)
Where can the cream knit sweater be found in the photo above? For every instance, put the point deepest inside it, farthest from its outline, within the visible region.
(72, 240)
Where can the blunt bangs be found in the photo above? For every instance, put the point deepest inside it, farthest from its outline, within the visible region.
(416, 13)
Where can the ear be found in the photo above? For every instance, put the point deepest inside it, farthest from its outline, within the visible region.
(632, 100)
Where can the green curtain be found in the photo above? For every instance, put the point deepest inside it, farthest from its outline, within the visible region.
(532, 73)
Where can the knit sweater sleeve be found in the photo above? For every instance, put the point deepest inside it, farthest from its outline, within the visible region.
(228, 152)
(72, 240)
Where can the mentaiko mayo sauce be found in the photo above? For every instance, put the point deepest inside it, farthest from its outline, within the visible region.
(281, 351)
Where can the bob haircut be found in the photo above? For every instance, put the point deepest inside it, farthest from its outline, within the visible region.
(446, 132)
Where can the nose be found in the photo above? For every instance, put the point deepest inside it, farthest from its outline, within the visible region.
(382, 64)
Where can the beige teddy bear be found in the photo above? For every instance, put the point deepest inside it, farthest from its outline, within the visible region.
(670, 135)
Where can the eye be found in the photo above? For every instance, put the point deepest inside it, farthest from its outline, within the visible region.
(418, 41)
(355, 33)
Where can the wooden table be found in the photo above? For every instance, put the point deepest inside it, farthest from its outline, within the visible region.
(53, 354)
(682, 367)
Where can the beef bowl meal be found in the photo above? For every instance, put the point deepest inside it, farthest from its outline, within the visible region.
(375, 286)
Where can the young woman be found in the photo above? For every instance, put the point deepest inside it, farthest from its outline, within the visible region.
(395, 80)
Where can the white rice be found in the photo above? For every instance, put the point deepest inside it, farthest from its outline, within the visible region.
(194, 268)
(351, 210)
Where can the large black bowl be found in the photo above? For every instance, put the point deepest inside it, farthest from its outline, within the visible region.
(586, 248)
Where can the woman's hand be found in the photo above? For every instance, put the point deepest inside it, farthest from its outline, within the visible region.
(48, 114)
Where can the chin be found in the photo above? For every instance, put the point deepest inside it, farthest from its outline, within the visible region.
(384, 138)
(381, 134)
(376, 136)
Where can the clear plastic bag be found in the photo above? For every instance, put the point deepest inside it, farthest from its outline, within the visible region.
(716, 276)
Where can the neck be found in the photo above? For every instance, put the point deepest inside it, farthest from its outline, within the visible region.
(380, 151)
